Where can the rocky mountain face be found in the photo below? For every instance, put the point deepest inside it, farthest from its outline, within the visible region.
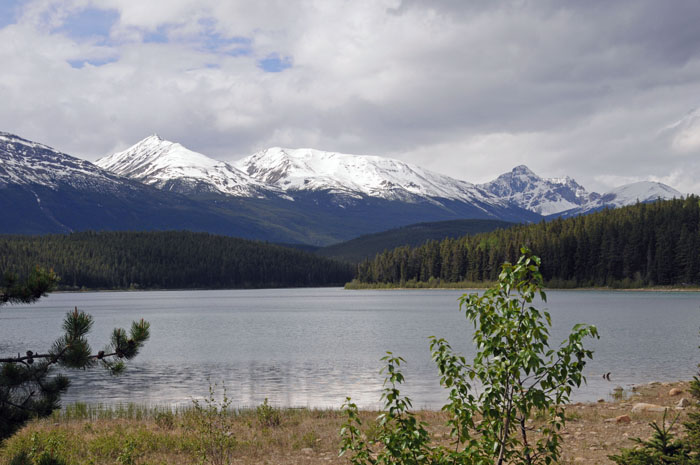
(552, 197)
(27, 163)
(544, 196)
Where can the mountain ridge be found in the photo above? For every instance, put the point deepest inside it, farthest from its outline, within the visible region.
(346, 179)
(283, 195)
(170, 166)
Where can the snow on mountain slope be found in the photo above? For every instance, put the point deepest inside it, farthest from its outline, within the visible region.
(643, 191)
(354, 176)
(544, 196)
(170, 166)
(27, 163)
(346, 179)
(564, 196)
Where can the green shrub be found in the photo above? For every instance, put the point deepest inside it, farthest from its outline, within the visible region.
(661, 449)
(211, 421)
(268, 416)
(519, 374)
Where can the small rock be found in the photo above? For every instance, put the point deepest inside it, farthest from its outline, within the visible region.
(579, 459)
(675, 392)
(600, 401)
(623, 419)
(307, 451)
(683, 402)
(644, 407)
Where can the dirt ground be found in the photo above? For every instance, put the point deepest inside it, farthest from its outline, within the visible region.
(592, 433)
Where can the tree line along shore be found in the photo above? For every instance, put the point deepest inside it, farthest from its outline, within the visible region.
(644, 245)
(654, 245)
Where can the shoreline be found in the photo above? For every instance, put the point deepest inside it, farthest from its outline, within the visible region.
(593, 431)
(574, 289)
(397, 288)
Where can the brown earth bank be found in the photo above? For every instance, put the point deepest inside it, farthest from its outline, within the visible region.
(133, 435)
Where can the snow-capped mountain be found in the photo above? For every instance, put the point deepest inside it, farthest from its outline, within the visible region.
(541, 195)
(629, 194)
(551, 197)
(170, 166)
(29, 163)
(286, 195)
(45, 191)
(356, 176)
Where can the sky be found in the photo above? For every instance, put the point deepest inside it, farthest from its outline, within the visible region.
(605, 92)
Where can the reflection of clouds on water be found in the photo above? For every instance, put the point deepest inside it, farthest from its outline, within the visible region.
(315, 347)
(246, 385)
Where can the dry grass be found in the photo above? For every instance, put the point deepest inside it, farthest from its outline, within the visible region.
(149, 436)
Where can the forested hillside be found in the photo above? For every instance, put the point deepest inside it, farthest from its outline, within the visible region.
(167, 260)
(645, 244)
(369, 245)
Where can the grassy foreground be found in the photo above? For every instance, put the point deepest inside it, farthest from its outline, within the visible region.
(138, 435)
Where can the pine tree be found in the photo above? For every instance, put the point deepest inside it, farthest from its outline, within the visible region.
(28, 388)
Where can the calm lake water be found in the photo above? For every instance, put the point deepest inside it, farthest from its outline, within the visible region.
(314, 347)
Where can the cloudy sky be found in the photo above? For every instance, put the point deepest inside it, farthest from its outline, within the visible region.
(606, 92)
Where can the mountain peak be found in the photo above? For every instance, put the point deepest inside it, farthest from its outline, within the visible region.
(352, 176)
(169, 165)
(523, 170)
(23, 162)
(641, 191)
(526, 189)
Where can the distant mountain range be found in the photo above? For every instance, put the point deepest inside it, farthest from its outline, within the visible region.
(282, 195)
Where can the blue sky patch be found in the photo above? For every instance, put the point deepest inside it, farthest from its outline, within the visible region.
(90, 22)
(159, 36)
(234, 46)
(274, 63)
(9, 11)
(214, 42)
(80, 63)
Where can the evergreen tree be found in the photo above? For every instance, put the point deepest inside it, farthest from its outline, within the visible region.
(639, 245)
(28, 388)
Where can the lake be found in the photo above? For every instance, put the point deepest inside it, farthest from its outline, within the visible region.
(315, 347)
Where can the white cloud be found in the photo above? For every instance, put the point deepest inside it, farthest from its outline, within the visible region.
(685, 134)
(465, 88)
